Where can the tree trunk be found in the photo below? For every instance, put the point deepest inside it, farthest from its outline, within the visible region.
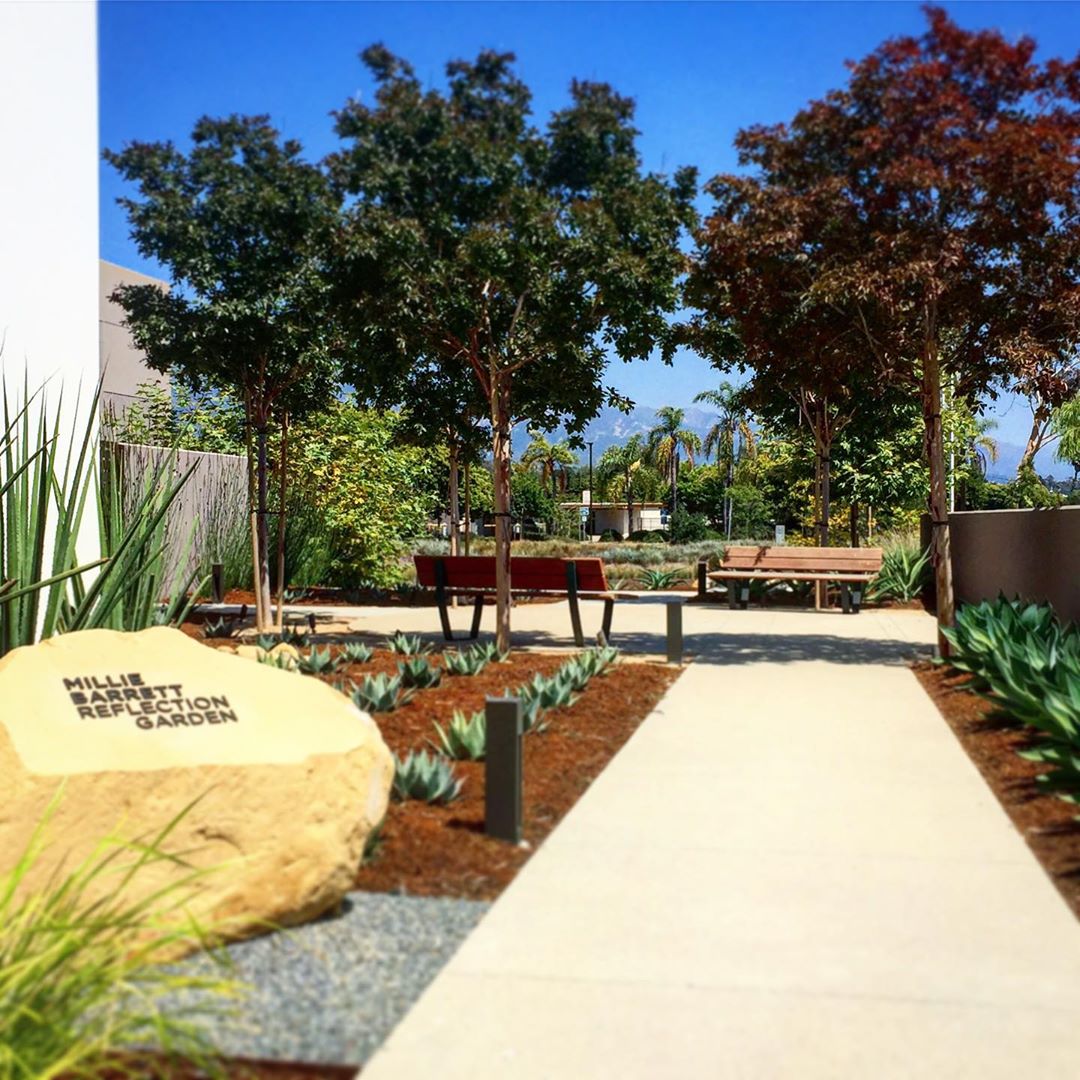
(249, 427)
(1040, 427)
(455, 501)
(468, 507)
(283, 460)
(262, 570)
(629, 505)
(855, 524)
(674, 482)
(935, 454)
(500, 425)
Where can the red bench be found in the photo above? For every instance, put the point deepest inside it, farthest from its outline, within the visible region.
(576, 579)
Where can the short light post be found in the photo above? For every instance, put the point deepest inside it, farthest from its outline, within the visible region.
(674, 633)
(502, 769)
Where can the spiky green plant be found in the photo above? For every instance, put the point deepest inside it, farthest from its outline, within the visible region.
(46, 481)
(417, 673)
(407, 644)
(279, 658)
(652, 579)
(295, 637)
(470, 662)
(356, 652)
(380, 693)
(220, 628)
(465, 737)
(81, 979)
(426, 777)
(318, 662)
(903, 573)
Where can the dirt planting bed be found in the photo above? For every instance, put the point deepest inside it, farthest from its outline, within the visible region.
(1047, 823)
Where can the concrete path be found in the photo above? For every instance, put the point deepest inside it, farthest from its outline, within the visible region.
(791, 870)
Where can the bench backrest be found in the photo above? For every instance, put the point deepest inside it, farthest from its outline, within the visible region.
(808, 560)
(526, 572)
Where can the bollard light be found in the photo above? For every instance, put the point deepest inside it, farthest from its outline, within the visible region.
(674, 633)
(502, 769)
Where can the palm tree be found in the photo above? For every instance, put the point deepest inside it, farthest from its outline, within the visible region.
(616, 470)
(730, 436)
(547, 455)
(664, 442)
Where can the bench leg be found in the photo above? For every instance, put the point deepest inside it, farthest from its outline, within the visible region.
(478, 607)
(845, 597)
(702, 580)
(605, 626)
(744, 597)
(444, 614)
(856, 599)
(575, 621)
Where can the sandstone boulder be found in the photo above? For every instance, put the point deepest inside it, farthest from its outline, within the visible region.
(287, 777)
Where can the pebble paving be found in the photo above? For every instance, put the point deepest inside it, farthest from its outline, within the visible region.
(331, 991)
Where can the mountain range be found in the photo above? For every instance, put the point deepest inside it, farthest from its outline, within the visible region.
(612, 426)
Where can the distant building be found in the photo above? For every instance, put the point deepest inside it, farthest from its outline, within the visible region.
(648, 516)
(121, 365)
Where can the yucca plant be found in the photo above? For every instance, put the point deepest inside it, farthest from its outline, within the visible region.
(465, 737)
(653, 579)
(903, 573)
(318, 662)
(44, 491)
(407, 644)
(82, 985)
(426, 777)
(417, 673)
(380, 693)
(356, 652)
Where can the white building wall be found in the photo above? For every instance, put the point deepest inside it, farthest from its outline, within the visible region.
(49, 203)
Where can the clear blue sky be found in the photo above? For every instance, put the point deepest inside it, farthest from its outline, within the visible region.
(699, 72)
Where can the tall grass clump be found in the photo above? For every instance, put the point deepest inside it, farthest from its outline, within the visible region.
(82, 988)
(905, 568)
(46, 481)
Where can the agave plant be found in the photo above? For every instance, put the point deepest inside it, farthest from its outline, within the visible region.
(407, 644)
(465, 738)
(356, 652)
(318, 662)
(292, 636)
(904, 569)
(652, 579)
(470, 662)
(426, 777)
(266, 642)
(278, 658)
(380, 693)
(220, 628)
(417, 673)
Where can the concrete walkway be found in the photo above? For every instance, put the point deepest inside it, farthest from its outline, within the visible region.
(791, 870)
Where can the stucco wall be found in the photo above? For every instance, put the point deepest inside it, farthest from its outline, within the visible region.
(1033, 554)
(49, 203)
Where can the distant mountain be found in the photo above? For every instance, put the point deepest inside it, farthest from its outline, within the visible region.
(613, 426)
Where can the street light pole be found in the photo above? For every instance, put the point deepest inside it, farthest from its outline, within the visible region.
(592, 529)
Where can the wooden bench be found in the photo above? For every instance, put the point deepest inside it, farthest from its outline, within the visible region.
(847, 566)
(576, 579)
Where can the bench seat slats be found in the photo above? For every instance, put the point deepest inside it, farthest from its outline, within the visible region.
(529, 574)
(782, 575)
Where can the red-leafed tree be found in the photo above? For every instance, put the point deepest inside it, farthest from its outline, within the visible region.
(938, 186)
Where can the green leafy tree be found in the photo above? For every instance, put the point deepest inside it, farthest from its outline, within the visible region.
(208, 421)
(617, 473)
(243, 226)
(665, 441)
(526, 255)
(1066, 426)
(371, 490)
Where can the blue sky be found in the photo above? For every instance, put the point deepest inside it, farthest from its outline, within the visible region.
(699, 72)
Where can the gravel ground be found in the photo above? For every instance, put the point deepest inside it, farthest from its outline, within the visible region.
(331, 991)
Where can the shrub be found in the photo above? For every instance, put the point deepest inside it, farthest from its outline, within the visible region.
(426, 777)
(610, 534)
(465, 738)
(687, 528)
(82, 982)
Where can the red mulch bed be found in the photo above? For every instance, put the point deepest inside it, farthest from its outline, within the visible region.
(1047, 823)
(443, 850)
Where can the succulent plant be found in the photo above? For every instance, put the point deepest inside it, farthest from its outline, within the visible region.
(290, 635)
(278, 658)
(220, 628)
(532, 713)
(417, 672)
(267, 641)
(465, 737)
(426, 777)
(380, 693)
(470, 662)
(652, 579)
(407, 644)
(318, 662)
(356, 652)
